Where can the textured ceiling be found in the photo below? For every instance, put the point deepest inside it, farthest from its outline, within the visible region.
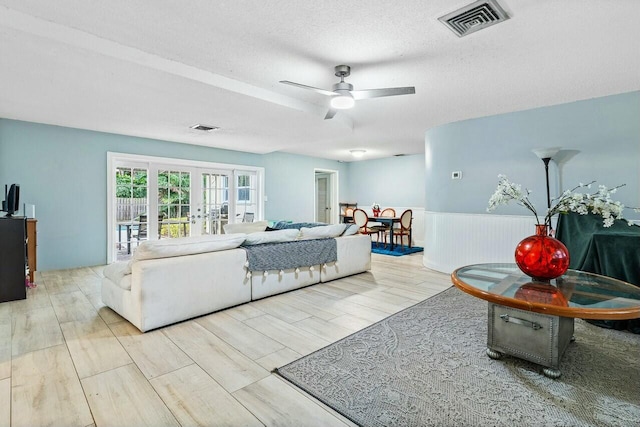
(153, 68)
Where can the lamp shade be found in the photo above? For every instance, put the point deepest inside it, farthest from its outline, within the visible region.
(343, 101)
(546, 153)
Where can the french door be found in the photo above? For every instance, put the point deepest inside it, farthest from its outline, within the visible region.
(156, 200)
(212, 208)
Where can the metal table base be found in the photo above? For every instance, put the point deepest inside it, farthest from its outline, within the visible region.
(536, 337)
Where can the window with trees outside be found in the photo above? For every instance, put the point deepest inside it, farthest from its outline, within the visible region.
(153, 198)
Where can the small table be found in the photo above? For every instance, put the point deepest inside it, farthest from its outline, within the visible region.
(127, 225)
(534, 320)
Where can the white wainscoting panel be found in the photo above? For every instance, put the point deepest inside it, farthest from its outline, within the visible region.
(453, 240)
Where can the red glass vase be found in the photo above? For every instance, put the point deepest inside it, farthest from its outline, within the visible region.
(541, 256)
(543, 293)
(376, 213)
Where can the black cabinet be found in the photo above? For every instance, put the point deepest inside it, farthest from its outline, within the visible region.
(12, 258)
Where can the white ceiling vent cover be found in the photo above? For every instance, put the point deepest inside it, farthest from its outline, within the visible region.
(474, 17)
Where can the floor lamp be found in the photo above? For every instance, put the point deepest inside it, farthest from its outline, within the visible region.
(545, 154)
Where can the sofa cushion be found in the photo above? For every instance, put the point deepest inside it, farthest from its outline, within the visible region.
(351, 230)
(322, 232)
(245, 227)
(187, 246)
(275, 236)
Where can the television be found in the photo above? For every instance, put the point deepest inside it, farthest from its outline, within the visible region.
(11, 199)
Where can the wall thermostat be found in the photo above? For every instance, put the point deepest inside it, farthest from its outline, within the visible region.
(456, 175)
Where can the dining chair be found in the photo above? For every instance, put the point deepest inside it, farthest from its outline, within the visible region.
(387, 213)
(248, 217)
(361, 219)
(348, 215)
(143, 226)
(405, 228)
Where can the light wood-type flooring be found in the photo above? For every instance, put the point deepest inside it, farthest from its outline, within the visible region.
(67, 360)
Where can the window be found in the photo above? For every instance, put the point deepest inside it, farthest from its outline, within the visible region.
(246, 190)
(244, 187)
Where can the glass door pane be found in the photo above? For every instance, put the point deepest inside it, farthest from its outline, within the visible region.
(246, 196)
(213, 209)
(174, 203)
(132, 205)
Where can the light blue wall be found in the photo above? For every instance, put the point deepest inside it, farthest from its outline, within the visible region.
(394, 181)
(600, 139)
(290, 185)
(63, 172)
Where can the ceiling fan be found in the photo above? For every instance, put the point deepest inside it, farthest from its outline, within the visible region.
(343, 95)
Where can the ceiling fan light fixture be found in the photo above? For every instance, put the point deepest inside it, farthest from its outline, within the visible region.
(357, 153)
(343, 101)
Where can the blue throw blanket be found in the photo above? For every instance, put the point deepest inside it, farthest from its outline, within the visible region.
(286, 255)
(281, 225)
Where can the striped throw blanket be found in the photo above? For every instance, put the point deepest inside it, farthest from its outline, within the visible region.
(286, 255)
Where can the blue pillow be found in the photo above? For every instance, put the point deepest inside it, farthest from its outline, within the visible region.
(281, 225)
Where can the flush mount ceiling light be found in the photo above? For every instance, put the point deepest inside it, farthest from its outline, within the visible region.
(357, 153)
(204, 128)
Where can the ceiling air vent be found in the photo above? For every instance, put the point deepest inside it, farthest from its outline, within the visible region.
(474, 17)
(204, 128)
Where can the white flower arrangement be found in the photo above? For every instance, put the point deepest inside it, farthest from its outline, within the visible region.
(599, 202)
(375, 206)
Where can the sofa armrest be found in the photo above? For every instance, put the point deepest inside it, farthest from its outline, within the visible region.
(354, 256)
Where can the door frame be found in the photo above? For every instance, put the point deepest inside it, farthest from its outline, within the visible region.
(114, 158)
(333, 176)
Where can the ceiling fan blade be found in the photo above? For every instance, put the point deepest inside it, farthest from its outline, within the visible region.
(330, 114)
(377, 93)
(315, 89)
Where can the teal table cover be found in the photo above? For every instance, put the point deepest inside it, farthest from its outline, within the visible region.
(613, 251)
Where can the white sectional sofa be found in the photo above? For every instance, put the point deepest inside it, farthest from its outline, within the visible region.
(177, 279)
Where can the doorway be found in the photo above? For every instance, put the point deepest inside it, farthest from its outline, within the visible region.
(326, 196)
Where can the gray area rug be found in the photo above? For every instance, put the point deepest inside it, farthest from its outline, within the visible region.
(426, 366)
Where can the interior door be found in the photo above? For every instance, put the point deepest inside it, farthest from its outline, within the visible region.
(323, 198)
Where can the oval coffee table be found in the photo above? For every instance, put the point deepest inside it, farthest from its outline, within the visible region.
(534, 320)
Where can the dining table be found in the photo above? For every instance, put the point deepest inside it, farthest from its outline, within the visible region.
(388, 221)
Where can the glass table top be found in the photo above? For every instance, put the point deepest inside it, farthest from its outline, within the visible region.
(574, 294)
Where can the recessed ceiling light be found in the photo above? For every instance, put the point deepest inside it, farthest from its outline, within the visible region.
(357, 153)
(204, 128)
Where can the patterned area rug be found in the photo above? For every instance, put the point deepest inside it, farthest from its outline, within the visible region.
(426, 366)
(398, 250)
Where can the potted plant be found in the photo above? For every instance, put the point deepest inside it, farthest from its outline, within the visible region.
(376, 209)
